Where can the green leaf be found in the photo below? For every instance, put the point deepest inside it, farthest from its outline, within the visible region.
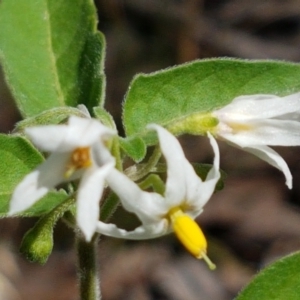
(51, 53)
(105, 117)
(279, 281)
(168, 96)
(18, 158)
(91, 72)
(134, 148)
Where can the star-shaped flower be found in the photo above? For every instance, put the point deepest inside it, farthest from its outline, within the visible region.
(183, 200)
(77, 152)
(255, 121)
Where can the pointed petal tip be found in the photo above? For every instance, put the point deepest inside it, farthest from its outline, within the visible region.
(153, 126)
(88, 236)
(12, 213)
(16, 206)
(289, 183)
(216, 150)
(87, 228)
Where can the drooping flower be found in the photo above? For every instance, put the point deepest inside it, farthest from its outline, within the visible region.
(77, 152)
(255, 121)
(183, 200)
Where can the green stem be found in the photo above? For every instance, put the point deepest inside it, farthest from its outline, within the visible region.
(115, 150)
(153, 181)
(109, 207)
(37, 243)
(88, 268)
(58, 212)
(136, 174)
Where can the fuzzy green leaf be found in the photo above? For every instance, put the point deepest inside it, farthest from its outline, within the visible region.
(168, 96)
(279, 281)
(51, 53)
(18, 158)
(105, 117)
(135, 148)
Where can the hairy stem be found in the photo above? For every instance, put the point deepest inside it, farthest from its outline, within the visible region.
(137, 174)
(88, 268)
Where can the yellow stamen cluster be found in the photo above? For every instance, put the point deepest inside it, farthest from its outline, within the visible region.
(80, 158)
(190, 235)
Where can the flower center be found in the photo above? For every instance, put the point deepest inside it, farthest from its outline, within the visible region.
(189, 234)
(80, 158)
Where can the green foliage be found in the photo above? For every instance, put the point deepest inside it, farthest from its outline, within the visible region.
(91, 72)
(105, 117)
(167, 97)
(51, 53)
(18, 158)
(134, 147)
(279, 281)
(53, 59)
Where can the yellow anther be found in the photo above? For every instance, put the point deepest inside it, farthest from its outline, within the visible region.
(80, 158)
(190, 235)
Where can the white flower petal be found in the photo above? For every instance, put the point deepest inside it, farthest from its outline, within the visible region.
(140, 233)
(101, 155)
(264, 132)
(259, 107)
(267, 154)
(273, 158)
(48, 138)
(180, 173)
(254, 121)
(88, 197)
(272, 132)
(294, 116)
(84, 110)
(149, 207)
(198, 195)
(38, 183)
(85, 132)
(80, 132)
(214, 173)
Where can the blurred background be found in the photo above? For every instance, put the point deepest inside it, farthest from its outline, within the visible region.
(253, 221)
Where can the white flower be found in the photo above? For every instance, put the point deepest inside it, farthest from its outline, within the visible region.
(77, 151)
(255, 121)
(183, 200)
